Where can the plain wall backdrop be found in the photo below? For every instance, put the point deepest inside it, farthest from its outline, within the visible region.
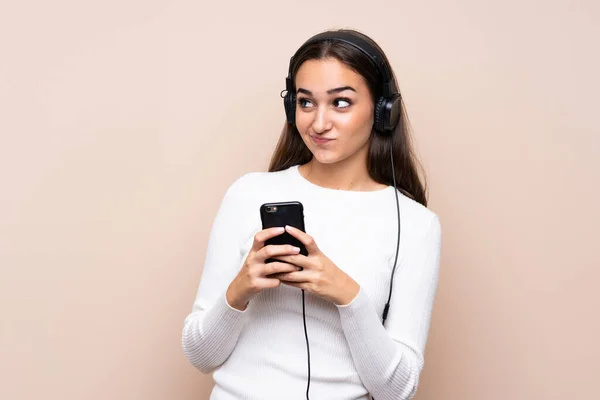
(123, 122)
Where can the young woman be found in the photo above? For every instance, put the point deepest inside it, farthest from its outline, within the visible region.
(252, 321)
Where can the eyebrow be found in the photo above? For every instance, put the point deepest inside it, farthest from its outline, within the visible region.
(330, 91)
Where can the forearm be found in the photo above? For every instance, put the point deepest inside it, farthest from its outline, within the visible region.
(389, 369)
(209, 336)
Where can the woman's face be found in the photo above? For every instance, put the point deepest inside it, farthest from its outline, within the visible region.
(334, 110)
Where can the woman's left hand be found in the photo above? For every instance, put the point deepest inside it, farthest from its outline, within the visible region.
(319, 275)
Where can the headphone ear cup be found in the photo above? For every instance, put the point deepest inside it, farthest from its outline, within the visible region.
(392, 113)
(387, 114)
(379, 117)
(289, 103)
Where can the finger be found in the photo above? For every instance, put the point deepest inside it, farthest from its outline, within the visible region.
(298, 259)
(262, 236)
(261, 283)
(304, 238)
(299, 285)
(295, 276)
(271, 269)
(270, 283)
(274, 250)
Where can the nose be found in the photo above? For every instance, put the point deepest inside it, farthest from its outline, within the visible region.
(322, 121)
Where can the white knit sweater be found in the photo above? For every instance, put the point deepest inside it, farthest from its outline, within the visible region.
(260, 353)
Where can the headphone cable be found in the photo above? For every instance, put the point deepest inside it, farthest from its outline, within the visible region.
(387, 305)
(307, 345)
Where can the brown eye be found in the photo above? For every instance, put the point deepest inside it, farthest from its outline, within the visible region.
(343, 102)
(302, 102)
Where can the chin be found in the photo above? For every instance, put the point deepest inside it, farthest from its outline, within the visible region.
(327, 157)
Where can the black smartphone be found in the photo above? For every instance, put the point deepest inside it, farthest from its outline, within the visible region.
(282, 214)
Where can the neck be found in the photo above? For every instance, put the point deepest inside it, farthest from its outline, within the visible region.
(348, 174)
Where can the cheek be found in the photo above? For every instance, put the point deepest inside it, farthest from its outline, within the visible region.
(356, 125)
(348, 120)
(303, 121)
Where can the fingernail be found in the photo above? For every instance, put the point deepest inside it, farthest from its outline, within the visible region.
(287, 227)
(296, 249)
(280, 230)
(299, 268)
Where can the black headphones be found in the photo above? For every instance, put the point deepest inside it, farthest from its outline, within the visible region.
(387, 107)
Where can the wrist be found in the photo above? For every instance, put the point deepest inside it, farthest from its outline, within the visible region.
(234, 299)
(351, 290)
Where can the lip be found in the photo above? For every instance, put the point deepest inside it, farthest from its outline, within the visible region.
(318, 140)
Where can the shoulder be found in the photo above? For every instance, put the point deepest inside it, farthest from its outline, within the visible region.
(256, 182)
(421, 220)
(243, 197)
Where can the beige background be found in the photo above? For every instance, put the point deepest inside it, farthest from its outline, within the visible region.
(123, 122)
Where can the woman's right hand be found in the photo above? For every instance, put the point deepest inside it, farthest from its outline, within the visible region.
(254, 274)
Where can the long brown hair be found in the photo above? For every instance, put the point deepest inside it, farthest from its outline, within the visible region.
(291, 150)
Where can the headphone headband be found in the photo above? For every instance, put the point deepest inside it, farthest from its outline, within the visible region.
(388, 84)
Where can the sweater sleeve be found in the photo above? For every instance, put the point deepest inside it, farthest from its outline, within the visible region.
(211, 330)
(390, 359)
